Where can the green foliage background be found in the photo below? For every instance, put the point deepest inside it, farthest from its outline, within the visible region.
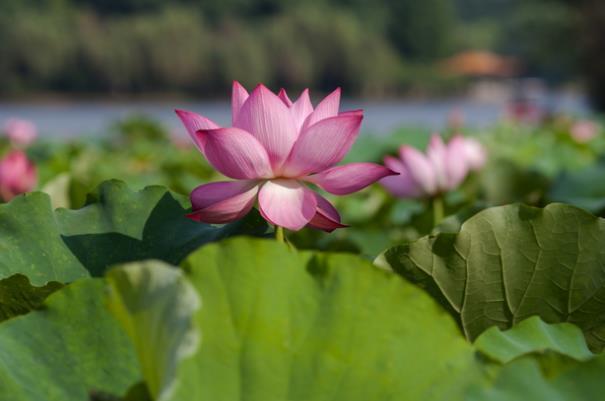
(377, 48)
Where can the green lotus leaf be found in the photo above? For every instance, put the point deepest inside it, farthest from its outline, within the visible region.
(528, 378)
(156, 304)
(277, 324)
(540, 362)
(285, 325)
(31, 243)
(533, 336)
(512, 262)
(72, 349)
(120, 225)
(117, 225)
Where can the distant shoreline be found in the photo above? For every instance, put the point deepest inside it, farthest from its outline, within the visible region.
(72, 118)
(57, 98)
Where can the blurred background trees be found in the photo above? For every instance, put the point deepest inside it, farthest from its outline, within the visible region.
(372, 47)
(591, 42)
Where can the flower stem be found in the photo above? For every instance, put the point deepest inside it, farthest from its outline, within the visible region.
(279, 234)
(437, 210)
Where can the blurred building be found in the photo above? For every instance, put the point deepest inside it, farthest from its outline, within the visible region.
(491, 75)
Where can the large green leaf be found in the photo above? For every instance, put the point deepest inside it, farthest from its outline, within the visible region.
(529, 379)
(34, 260)
(41, 248)
(156, 305)
(31, 243)
(539, 361)
(285, 325)
(512, 262)
(542, 362)
(533, 336)
(71, 350)
(117, 225)
(278, 325)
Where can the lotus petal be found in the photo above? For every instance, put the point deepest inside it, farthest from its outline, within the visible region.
(326, 217)
(194, 122)
(327, 108)
(239, 95)
(420, 169)
(402, 185)
(322, 145)
(235, 153)
(343, 180)
(287, 203)
(223, 202)
(266, 117)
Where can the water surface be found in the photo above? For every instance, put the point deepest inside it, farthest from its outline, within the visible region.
(93, 118)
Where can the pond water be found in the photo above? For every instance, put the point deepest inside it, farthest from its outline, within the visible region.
(71, 119)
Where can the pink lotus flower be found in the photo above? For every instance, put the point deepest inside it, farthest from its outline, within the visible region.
(21, 133)
(274, 147)
(442, 169)
(17, 175)
(475, 154)
(584, 131)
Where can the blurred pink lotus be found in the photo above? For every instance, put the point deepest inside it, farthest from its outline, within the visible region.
(273, 148)
(17, 175)
(584, 131)
(475, 154)
(440, 170)
(21, 133)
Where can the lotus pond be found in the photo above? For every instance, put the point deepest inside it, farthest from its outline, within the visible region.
(446, 275)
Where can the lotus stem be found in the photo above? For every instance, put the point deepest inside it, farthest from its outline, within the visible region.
(438, 212)
(279, 234)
